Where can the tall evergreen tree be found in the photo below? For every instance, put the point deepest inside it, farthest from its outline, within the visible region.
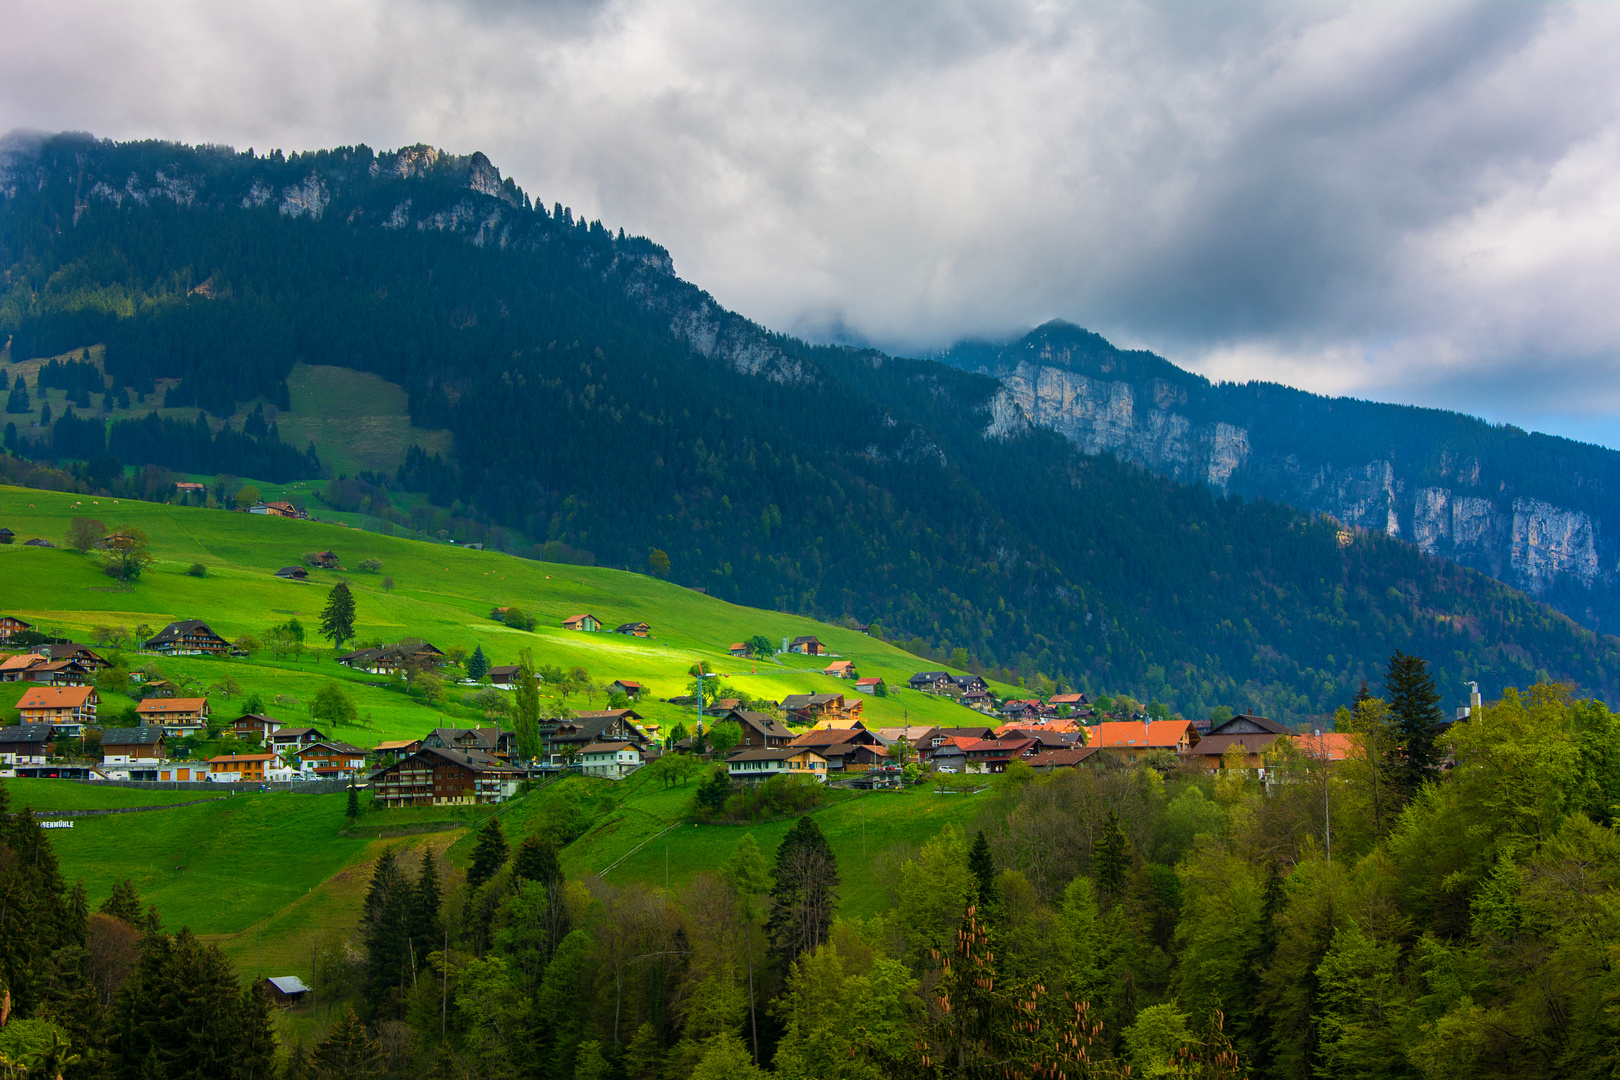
(804, 892)
(181, 1015)
(477, 664)
(1111, 857)
(426, 899)
(347, 1052)
(489, 855)
(1415, 706)
(353, 810)
(983, 866)
(385, 928)
(337, 618)
(123, 903)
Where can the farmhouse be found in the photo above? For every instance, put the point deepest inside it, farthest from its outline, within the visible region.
(396, 747)
(177, 716)
(830, 736)
(754, 766)
(25, 744)
(291, 738)
(188, 637)
(1251, 736)
(634, 629)
(133, 745)
(614, 760)
(760, 730)
(327, 560)
(293, 573)
(66, 708)
(11, 625)
(388, 659)
(611, 725)
(82, 655)
(13, 667)
(628, 687)
(256, 726)
(1129, 741)
(503, 675)
(1047, 760)
(284, 990)
(490, 741)
(239, 768)
(809, 646)
(870, 684)
(840, 669)
(435, 776)
(814, 708)
(852, 757)
(331, 759)
(931, 682)
(590, 624)
(738, 648)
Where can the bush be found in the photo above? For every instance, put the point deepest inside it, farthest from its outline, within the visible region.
(196, 569)
(333, 705)
(371, 566)
(777, 797)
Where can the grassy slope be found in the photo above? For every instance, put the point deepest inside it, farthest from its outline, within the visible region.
(443, 594)
(55, 795)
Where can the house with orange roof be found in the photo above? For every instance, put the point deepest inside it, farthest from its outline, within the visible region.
(738, 648)
(239, 768)
(66, 708)
(13, 667)
(1128, 741)
(177, 716)
(590, 624)
(839, 669)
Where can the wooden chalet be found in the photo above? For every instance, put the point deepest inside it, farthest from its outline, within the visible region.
(840, 669)
(738, 648)
(327, 560)
(396, 748)
(503, 675)
(1250, 736)
(816, 708)
(1130, 741)
(293, 573)
(6, 535)
(761, 731)
(849, 757)
(829, 736)
(240, 768)
(970, 684)
(256, 726)
(809, 646)
(10, 626)
(1047, 760)
(13, 667)
(491, 741)
(329, 758)
(979, 732)
(177, 716)
(133, 745)
(285, 990)
(931, 682)
(590, 624)
(437, 776)
(628, 687)
(869, 685)
(65, 708)
(57, 673)
(186, 638)
(756, 766)
(388, 659)
(26, 744)
(633, 629)
(37, 542)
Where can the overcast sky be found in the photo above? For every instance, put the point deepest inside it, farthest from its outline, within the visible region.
(1408, 201)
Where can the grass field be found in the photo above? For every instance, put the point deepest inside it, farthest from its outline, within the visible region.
(443, 594)
(56, 795)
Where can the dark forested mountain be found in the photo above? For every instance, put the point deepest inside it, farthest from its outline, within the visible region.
(600, 403)
(1531, 510)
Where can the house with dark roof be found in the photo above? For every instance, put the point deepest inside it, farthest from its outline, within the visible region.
(6, 535)
(83, 655)
(387, 659)
(760, 730)
(1047, 760)
(628, 687)
(37, 542)
(331, 759)
(1251, 737)
(57, 673)
(144, 745)
(11, 625)
(633, 629)
(187, 638)
(439, 776)
(291, 738)
(293, 573)
(494, 741)
(565, 741)
(503, 675)
(26, 744)
(809, 646)
(833, 736)
(256, 726)
(815, 708)
(931, 682)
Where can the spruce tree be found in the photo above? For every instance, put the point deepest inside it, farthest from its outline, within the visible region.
(1111, 857)
(337, 618)
(123, 904)
(1415, 705)
(347, 1051)
(477, 664)
(385, 929)
(490, 854)
(426, 899)
(983, 866)
(353, 811)
(537, 861)
(804, 893)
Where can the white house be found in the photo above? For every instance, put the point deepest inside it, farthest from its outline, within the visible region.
(753, 766)
(614, 760)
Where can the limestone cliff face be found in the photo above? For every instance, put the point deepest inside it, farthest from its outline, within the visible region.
(1273, 443)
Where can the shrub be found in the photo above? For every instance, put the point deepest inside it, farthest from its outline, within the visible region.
(371, 566)
(196, 569)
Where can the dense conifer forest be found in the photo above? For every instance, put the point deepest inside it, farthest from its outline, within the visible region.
(603, 409)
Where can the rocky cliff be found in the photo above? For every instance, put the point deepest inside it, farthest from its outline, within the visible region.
(1528, 509)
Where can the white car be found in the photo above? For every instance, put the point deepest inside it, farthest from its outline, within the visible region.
(946, 768)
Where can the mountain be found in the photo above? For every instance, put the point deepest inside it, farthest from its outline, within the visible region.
(1531, 510)
(602, 409)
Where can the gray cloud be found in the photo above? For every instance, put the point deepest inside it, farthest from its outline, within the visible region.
(1412, 202)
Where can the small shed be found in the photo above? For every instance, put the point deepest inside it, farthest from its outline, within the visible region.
(284, 990)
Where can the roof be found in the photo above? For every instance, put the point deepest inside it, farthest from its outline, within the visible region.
(775, 753)
(176, 630)
(338, 747)
(292, 571)
(1061, 758)
(841, 665)
(764, 723)
(978, 732)
(287, 984)
(288, 734)
(145, 735)
(1338, 745)
(1251, 742)
(911, 734)
(1243, 723)
(794, 702)
(628, 683)
(622, 627)
(806, 640)
(25, 733)
(475, 761)
(577, 618)
(929, 676)
(56, 697)
(735, 645)
(868, 680)
(242, 757)
(21, 662)
(1142, 733)
(828, 736)
(610, 747)
(171, 704)
(396, 744)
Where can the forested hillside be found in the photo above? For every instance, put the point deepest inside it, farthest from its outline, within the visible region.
(600, 404)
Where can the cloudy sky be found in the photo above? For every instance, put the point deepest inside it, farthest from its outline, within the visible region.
(1412, 202)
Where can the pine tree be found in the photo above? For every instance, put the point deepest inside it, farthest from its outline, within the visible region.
(477, 664)
(804, 893)
(337, 619)
(257, 1038)
(426, 899)
(385, 928)
(490, 854)
(347, 1051)
(1415, 705)
(536, 860)
(353, 812)
(123, 903)
(983, 865)
(1111, 857)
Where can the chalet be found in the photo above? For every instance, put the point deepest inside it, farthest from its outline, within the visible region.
(256, 726)
(25, 744)
(65, 708)
(1250, 736)
(931, 682)
(950, 754)
(142, 745)
(57, 673)
(944, 733)
(13, 667)
(277, 509)
(738, 648)
(1029, 710)
(331, 759)
(177, 716)
(503, 675)
(6, 535)
(633, 629)
(284, 739)
(590, 624)
(1073, 701)
(1129, 741)
(1327, 746)
(239, 768)
(157, 688)
(614, 760)
(981, 700)
(813, 708)
(293, 573)
(628, 687)
(327, 560)
(1047, 760)
(970, 684)
(840, 669)
(870, 684)
(188, 637)
(573, 735)
(920, 738)
(437, 776)
(809, 646)
(11, 625)
(994, 755)
(387, 659)
(82, 655)
(721, 706)
(761, 731)
(489, 741)
(284, 990)
(833, 736)
(852, 757)
(755, 766)
(1044, 738)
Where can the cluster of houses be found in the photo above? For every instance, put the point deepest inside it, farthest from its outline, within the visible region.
(590, 624)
